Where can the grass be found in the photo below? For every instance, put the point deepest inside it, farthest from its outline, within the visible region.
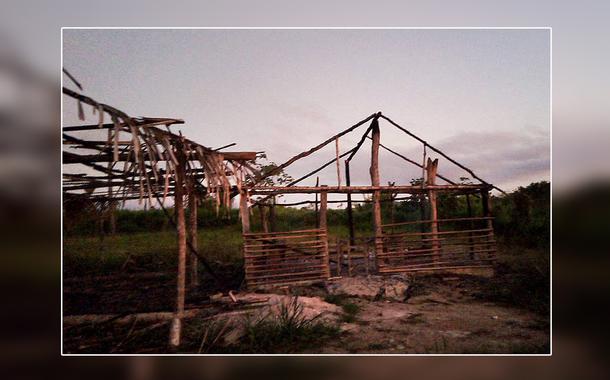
(522, 279)
(151, 251)
(350, 310)
(145, 251)
(289, 331)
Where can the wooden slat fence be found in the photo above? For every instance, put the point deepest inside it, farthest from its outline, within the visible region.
(459, 243)
(277, 258)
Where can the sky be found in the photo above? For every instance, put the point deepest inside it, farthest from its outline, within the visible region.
(481, 96)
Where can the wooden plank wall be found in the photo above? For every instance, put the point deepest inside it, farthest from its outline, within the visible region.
(463, 243)
(277, 258)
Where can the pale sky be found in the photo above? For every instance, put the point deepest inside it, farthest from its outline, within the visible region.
(482, 96)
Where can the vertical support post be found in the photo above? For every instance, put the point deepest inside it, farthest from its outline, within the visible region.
(316, 204)
(392, 208)
(470, 241)
(323, 226)
(350, 215)
(193, 237)
(431, 169)
(112, 204)
(176, 326)
(375, 181)
(338, 165)
(323, 208)
(272, 215)
(244, 212)
(485, 199)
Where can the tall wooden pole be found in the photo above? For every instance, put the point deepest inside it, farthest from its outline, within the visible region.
(338, 165)
(470, 241)
(272, 215)
(112, 204)
(485, 199)
(176, 326)
(375, 181)
(350, 215)
(324, 226)
(323, 210)
(244, 212)
(316, 205)
(193, 237)
(431, 168)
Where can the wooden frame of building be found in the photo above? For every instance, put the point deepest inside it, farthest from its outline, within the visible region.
(288, 257)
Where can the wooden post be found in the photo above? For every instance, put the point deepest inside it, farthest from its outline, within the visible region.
(470, 241)
(323, 208)
(338, 165)
(485, 199)
(375, 181)
(112, 204)
(431, 168)
(176, 326)
(272, 215)
(316, 204)
(350, 215)
(392, 208)
(324, 227)
(193, 237)
(243, 211)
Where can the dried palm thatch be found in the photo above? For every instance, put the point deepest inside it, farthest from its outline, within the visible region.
(151, 159)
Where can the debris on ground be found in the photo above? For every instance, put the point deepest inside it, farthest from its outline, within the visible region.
(393, 288)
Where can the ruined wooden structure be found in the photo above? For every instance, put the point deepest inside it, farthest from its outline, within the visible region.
(289, 257)
(127, 159)
(120, 158)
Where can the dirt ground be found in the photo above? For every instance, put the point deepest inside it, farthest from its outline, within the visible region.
(433, 314)
(446, 314)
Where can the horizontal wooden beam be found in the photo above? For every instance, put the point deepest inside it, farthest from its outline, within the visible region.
(148, 122)
(72, 158)
(362, 189)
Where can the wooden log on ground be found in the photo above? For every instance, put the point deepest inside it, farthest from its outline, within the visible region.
(75, 320)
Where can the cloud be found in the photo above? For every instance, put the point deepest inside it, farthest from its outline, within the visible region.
(504, 158)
